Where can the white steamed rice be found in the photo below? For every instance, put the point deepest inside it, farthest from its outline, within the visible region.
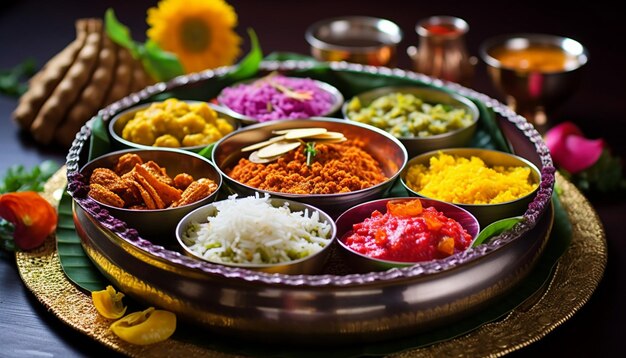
(251, 231)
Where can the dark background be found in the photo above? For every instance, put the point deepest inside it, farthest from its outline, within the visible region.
(40, 29)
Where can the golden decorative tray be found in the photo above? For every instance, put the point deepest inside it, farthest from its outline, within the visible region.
(575, 277)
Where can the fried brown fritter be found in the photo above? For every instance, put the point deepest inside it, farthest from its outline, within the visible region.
(182, 181)
(139, 185)
(167, 193)
(148, 193)
(131, 195)
(108, 179)
(197, 190)
(105, 196)
(127, 162)
(158, 172)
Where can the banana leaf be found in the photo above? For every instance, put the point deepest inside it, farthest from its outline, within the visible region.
(75, 263)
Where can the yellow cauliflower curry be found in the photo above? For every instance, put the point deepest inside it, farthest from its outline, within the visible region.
(174, 123)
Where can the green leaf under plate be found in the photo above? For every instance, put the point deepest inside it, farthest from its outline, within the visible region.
(495, 228)
(99, 143)
(74, 262)
(249, 65)
(207, 151)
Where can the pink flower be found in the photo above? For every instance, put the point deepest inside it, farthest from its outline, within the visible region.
(570, 149)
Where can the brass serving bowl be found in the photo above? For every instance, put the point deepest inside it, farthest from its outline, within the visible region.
(357, 214)
(312, 264)
(335, 308)
(485, 213)
(417, 145)
(159, 225)
(119, 121)
(383, 147)
(336, 95)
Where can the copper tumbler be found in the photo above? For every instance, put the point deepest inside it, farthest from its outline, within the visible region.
(442, 52)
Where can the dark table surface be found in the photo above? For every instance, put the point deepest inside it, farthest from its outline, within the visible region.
(39, 29)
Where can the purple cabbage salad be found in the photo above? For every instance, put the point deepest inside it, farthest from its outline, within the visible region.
(278, 97)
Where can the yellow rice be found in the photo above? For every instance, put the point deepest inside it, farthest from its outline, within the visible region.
(469, 181)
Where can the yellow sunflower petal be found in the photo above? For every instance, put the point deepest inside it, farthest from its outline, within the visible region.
(200, 32)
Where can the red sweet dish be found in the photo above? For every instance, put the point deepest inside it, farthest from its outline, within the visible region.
(408, 233)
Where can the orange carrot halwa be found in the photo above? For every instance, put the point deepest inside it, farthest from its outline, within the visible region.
(337, 168)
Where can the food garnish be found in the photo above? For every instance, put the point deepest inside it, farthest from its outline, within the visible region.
(290, 139)
(299, 95)
(404, 208)
(145, 327)
(278, 148)
(310, 152)
(303, 132)
(108, 303)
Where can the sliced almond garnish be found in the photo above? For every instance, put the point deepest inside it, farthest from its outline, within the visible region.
(277, 148)
(254, 158)
(285, 131)
(304, 133)
(263, 144)
(327, 135)
(330, 140)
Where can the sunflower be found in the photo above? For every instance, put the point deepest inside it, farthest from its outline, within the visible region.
(200, 32)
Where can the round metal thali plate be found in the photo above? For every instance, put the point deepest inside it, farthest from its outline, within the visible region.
(331, 308)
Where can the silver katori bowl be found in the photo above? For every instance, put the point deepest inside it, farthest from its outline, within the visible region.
(357, 214)
(117, 123)
(383, 147)
(485, 213)
(414, 146)
(159, 225)
(359, 39)
(311, 264)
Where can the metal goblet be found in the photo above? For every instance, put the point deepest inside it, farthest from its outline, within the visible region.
(534, 92)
